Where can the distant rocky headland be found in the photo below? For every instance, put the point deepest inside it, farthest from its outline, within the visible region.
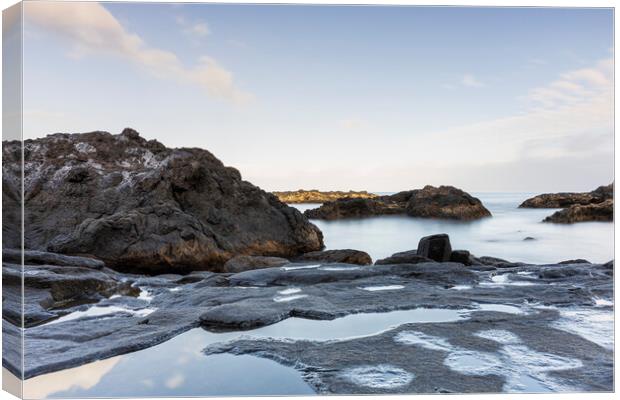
(597, 205)
(444, 202)
(316, 196)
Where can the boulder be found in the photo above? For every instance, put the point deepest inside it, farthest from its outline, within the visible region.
(404, 257)
(564, 200)
(246, 263)
(347, 256)
(444, 202)
(316, 196)
(142, 207)
(435, 247)
(461, 256)
(584, 213)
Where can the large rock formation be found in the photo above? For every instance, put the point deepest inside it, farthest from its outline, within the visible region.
(140, 206)
(444, 202)
(316, 196)
(564, 200)
(582, 213)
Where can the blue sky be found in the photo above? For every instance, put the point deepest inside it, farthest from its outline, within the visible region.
(333, 97)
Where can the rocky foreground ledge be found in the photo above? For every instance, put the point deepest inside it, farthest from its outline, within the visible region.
(509, 319)
(597, 205)
(143, 207)
(444, 202)
(316, 196)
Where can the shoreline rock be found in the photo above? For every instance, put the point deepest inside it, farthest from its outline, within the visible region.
(142, 207)
(317, 196)
(601, 212)
(444, 202)
(567, 199)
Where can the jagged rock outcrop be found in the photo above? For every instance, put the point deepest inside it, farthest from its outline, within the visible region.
(582, 213)
(317, 196)
(564, 200)
(140, 206)
(445, 202)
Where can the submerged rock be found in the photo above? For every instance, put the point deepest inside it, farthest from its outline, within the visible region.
(141, 206)
(316, 196)
(564, 200)
(347, 256)
(445, 202)
(584, 213)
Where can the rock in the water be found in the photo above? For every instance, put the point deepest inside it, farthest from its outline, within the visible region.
(316, 196)
(246, 263)
(142, 207)
(444, 202)
(355, 208)
(404, 257)
(583, 213)
(528, 238)
(461, 256)
(564, 200)
(435, 247)
(347, 256)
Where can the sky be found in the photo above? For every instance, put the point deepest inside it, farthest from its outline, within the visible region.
(338, 97)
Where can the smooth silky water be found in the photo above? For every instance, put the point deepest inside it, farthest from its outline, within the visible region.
(178, 367)
(501, 236)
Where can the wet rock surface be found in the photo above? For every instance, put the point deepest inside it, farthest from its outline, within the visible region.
(101, 313)
(444, 202)
(317, 196)
(603, 212)
(564, 200)
(246, 263)
(142, 207)
(347, 256)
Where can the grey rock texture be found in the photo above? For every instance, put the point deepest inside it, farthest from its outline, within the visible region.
(347, 256)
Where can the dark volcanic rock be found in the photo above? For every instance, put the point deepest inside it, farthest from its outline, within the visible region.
(356, 208)
(33, 257)
(246, 263)
(564, 200)
(444, 202)
(404, 257)
(347, 256)
(435, 247)
(140, 206)
(461, 256)
(316, 196)
(583, 213)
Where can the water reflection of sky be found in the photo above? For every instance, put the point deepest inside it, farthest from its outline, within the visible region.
(500, 236)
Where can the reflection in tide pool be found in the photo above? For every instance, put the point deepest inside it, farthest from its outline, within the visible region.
(500, 236)
(179, 368)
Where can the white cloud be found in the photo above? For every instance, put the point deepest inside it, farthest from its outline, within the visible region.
(92, 29)
(174, 381)
(198, 29)
(470, 81)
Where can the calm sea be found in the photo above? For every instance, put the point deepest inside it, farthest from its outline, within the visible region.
(500, 236)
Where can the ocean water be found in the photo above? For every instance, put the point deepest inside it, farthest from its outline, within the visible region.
(501, 236)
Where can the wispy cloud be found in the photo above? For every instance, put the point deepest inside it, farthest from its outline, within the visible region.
(92, 29)
(195, 29)
(470, 81)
